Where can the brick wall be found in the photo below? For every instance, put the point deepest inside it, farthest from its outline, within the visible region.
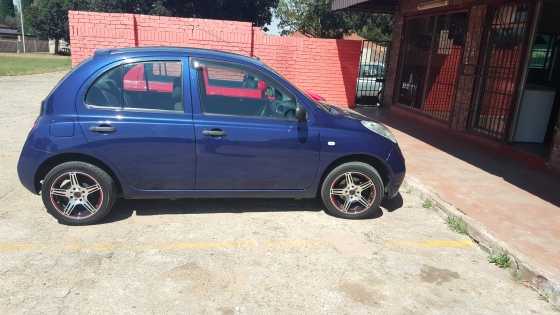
(328, 67)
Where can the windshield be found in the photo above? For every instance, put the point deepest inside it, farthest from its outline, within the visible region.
(293, 85)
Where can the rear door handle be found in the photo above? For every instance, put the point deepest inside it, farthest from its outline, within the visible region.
(103, 128)
(214, 133)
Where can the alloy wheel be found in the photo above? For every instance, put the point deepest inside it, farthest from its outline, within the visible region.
(353, 192)
(76, 195)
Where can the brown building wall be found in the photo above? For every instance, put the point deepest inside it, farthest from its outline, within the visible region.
(470, 61)
(555, 155)
(394, 55)
(471, 56)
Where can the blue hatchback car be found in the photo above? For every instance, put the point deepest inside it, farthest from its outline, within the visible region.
(180, 122)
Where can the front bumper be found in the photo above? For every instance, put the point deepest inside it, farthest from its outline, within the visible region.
(397, 164)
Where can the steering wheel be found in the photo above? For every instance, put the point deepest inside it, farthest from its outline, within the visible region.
(278, 109)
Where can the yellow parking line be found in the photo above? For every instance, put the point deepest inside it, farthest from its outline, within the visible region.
(76, 246)
(466, 243)
(170, 246)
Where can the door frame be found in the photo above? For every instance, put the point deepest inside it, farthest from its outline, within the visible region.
(115, 113)
(481, 73)
(401, 60)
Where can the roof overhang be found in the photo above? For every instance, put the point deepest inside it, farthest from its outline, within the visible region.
(378, 6)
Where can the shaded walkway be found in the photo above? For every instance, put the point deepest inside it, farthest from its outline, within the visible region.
(518, 204)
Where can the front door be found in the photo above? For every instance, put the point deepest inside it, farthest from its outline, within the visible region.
(506, 44)
(247, 137)
(136, 118)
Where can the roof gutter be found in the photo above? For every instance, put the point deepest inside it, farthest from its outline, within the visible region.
(374, 6)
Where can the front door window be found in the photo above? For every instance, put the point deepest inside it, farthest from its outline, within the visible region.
(227, 89)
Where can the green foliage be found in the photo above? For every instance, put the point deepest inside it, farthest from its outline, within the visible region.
(376, 27)
(6, 9)
(315, 18)
(427, 204)
(49, 18)
(500, 259)
(457, 224)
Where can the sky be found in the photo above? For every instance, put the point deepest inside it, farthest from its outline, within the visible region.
(273, 26)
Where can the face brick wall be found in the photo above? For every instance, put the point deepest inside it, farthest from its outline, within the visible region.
(328, 67)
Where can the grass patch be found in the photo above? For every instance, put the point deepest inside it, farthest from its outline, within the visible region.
(427, 204)
(457, 224)
(500, 259)
(19, 64)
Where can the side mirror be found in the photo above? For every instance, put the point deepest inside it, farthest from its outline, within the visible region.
(301, 114)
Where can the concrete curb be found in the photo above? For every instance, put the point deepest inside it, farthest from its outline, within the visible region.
(545, 284)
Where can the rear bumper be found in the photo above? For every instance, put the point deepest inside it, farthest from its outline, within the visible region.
(28, 164)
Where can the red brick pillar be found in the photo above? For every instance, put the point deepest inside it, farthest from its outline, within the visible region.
(471, 56)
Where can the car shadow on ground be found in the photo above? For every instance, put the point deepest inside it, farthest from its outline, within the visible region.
(538, 182)
(124, 209)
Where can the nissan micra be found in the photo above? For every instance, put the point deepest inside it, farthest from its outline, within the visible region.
(181, 122)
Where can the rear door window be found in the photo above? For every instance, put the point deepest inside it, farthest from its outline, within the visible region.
(106, 91)
(154, 85)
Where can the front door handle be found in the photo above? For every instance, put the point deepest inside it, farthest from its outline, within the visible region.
(214, 133)
(103, 128)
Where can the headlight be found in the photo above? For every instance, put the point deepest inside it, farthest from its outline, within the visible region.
(379, 129)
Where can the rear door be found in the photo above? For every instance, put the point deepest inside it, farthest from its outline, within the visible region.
(247, 137)
(137, 117)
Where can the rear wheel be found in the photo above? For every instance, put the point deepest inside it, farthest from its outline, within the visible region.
(353, 191)
(78, 193)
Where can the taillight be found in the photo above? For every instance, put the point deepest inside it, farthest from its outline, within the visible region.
(36, 122)
(42, 108)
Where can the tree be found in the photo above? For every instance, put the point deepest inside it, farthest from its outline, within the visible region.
(312, 17)
(49, 19)
(6, 9)
(316, 19)
(255, 11)
(377, 27)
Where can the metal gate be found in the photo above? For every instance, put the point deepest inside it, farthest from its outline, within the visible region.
(506, 43)
(371, 75)
(431, 61)
(444, 62)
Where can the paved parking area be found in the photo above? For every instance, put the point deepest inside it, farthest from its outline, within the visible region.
(233, 256)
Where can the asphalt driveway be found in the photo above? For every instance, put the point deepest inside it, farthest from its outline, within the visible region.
(233, 256)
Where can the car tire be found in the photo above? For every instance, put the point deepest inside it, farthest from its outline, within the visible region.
(78, 193)
(352, 190)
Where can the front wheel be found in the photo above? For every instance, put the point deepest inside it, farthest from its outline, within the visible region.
(78, 193)
(353, 191)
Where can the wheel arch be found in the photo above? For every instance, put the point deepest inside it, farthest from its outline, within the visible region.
(58, 159)
(381, 167)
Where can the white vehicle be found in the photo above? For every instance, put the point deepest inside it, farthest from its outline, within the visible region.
(370, 84)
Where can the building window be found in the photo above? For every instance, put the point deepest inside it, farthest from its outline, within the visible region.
(543, 52)
(432, 54)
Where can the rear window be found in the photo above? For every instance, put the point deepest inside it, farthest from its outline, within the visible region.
(155, 85)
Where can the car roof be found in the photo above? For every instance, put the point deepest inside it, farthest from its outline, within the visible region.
(172, 51)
